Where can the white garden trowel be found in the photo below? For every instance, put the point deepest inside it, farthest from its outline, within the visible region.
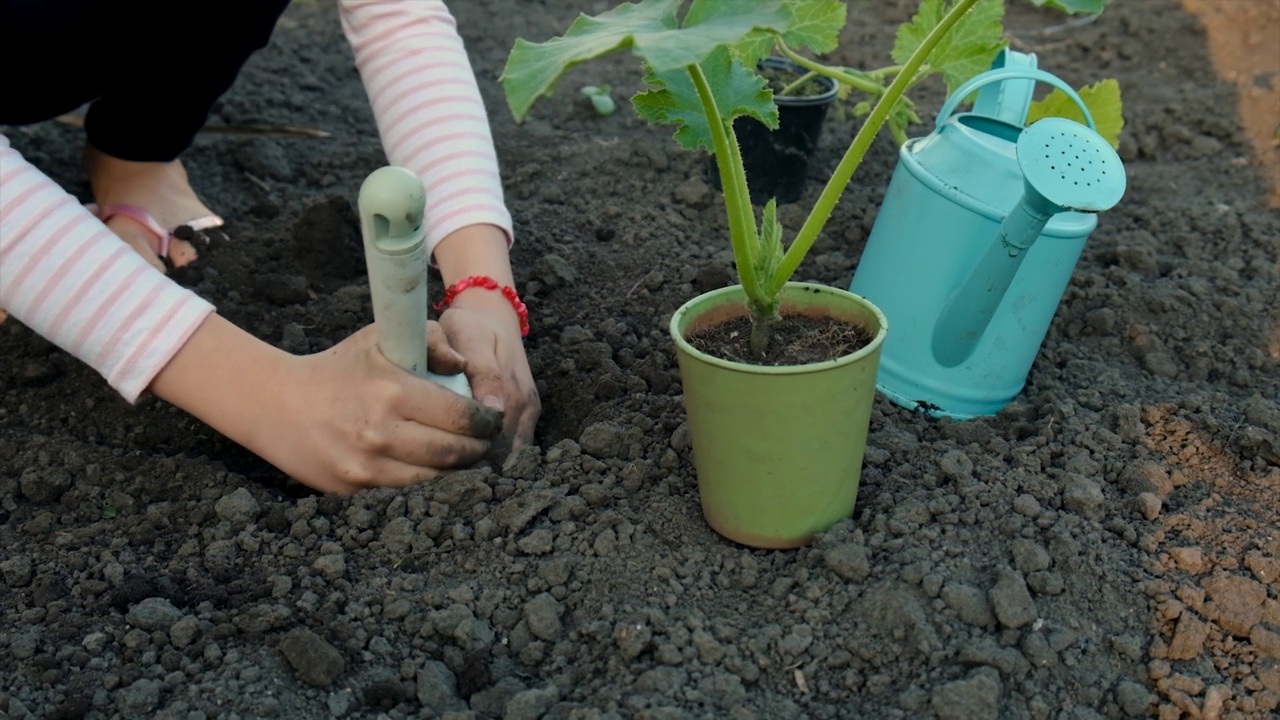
(392, 205)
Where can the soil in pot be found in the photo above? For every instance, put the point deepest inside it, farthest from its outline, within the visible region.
(781, 77)
(794, 340)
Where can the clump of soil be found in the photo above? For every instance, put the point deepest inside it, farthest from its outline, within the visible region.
(793, 340)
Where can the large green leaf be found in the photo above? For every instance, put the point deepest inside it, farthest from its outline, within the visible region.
(966, 51)
(674, 99)
(533, 68)
(812, 25)
(1103, 100)
(652, 30)
(711, 24)
(815, 24)
(648, 28)
(1073, 6)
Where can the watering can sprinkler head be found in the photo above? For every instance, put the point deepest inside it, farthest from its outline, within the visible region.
(1065, 166)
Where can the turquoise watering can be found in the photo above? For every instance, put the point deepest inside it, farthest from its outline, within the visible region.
(972, 249)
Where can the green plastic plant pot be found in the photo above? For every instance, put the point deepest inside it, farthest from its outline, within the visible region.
(778, 450)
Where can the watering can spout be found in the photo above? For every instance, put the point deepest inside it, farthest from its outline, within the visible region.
(1026, 220)
(1065, 167)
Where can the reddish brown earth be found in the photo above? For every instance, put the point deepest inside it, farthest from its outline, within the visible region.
(1244, 45)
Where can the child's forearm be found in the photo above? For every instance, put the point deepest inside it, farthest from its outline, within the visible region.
(474, 250)
(229, 379)
(68, 278)
(430, 115)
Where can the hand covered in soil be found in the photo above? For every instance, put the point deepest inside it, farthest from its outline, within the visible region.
(482, 327)
(368, 423)
(338, 421)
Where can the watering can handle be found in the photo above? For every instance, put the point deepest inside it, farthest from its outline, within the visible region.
(1002, 74)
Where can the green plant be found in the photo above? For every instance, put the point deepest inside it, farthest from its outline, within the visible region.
(600, 99)
(1103, 100)
(974, 42)
(701, 72)
(966, 50)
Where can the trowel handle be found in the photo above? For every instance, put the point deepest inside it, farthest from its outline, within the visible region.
(400, 309)
(392, 204)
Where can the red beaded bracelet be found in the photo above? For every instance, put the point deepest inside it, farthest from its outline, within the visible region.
(488, 283)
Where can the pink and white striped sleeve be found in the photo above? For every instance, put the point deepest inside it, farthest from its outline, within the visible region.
(428, 108)
(67, 277)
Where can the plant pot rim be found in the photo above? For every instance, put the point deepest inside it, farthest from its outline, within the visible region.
(824, 98)
(871, 347)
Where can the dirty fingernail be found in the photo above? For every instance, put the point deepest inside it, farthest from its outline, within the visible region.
(492, 401)
(486, 422)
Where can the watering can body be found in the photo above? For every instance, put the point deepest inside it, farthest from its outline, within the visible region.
(944, 205)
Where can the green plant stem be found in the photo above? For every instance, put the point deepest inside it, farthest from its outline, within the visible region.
(924, 69)
(798, 83)
(761, 330)
(869, 87)
(737, 198)
(856, 83)
(822, 210)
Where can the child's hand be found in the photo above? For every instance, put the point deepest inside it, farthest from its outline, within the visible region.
(482, 326)
(338, 421)
(368, 423)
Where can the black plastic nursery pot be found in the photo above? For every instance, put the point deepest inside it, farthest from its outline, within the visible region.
(777, 161)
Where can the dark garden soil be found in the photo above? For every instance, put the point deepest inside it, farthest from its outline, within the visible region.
(1106, 547)
(793, 340)
(780, 80)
